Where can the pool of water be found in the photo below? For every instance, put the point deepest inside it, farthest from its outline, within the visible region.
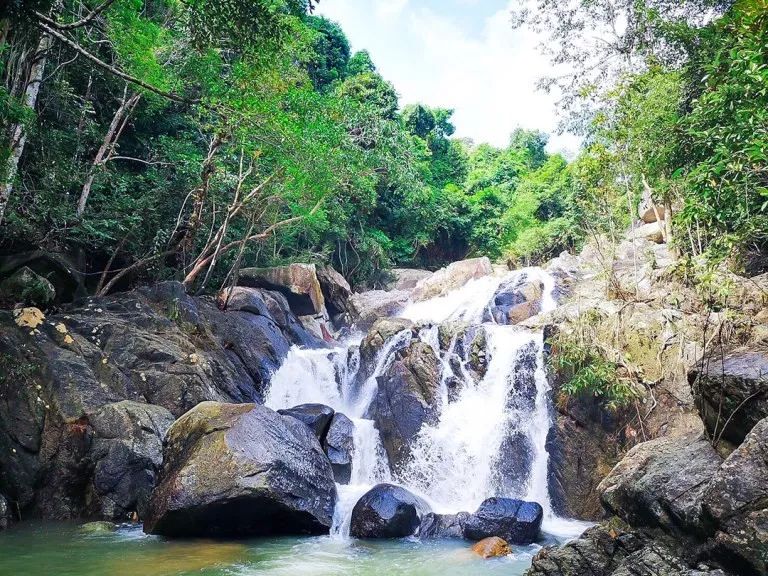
(65, 550)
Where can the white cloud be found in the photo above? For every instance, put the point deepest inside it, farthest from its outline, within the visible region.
(390, 8)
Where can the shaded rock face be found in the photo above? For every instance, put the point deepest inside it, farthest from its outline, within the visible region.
(515, 521)
(155, 346)
(437, 526)
(492, 547)
(336, 290)
(737, 502)
(241, 470)
(405, 400)
(127, 451)
(297, 282)
(5, 513)
(660, 483)
(339, 445)
(367, 307)
(315, 416)
(387, 511)
(515, 301)
(453, 276)
(732, 393)
(26, 287)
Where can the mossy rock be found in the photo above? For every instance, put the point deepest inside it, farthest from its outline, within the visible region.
(27, 287)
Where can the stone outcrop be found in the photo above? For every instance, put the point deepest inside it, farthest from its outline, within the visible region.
(451, 277)
(336, 290)
(339, 446)
(317, 417)
(387, 511)
(241, 470)
(515, 521)
(297, 282)
(367, 307)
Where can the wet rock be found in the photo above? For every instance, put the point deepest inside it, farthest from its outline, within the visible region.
(387, 511)
(516, 300)
(367, 307)
(380, 332)
(336, 290)
(297, 282)
(437, 526)
(451, 277)
(5, 513)
(405, 399)
(660, 484)
(316, 416)
(24, 286)
(514, 466)
(732, 393)
(339, 446)
(127, 452)
(241, 470)
(98, 527)
(737, 502)
(492, 547)
(515, 521)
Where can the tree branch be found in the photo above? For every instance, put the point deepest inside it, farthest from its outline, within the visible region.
(79, 23)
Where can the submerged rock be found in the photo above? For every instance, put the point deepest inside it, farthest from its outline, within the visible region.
(316, 416)
(241, 470)
(492, 547)
(515, 521)
(339, 446)
(387, 511)
(434, 526)
(98, 527)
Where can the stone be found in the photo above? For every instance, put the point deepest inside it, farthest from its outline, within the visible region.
(297, 282)
(660, 483)
(316, 416)
(737, 502)
(436, 526)
(387, 511)
(377, 336)
(25, 286)
(339, 446)
(101, 527)
(492, 547)
(405, 399)
(732, 392)
(515, 521)
(241, 470)
(648, 214)
(5, 513)
(127, 453)
(651, 232)
(367, 307)
(407, 278)
(516, 300)
(451, 277)
(336, 290)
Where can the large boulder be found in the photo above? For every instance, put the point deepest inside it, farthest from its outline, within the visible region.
(660, 484)
(336, 290)
(515, 521)
(737, 502)
(406, 399)
(387, 511)
(434, 526)
(451, 277)
(24, 286)
(367, 307)
(316, 416)
(407, 278)
(297, 282)
(377, 336)
(127, 452)
(339, 446)
(732, 392)
(516, 300)
(492, 547)
(241, 470)
(651, 232)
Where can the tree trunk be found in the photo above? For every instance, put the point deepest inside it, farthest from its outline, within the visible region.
(17, 132)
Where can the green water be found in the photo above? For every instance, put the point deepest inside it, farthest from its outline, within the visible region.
(63, 550)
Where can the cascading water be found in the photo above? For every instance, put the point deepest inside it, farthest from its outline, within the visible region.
(489, 438)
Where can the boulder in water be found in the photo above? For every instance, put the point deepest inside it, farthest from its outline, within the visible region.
(516, 300)
(297, 282)
(387, 511)
(434, 526)
(492, 547)
(378, 335)
(339, 445)
(317, 416)
(451, 277)
(241, 470)
(515, 521)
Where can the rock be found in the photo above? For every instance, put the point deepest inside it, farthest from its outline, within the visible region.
(732, 393)
(660, 484)
(647, 211)
(516, 300)
(241, 470)
(492, 547)
(98, 528)
(339, 446)
(515, 521)
(127, 452)
(387, 511)
(56, 268)
(24, 286)
(405, 399)
(316, 416)
(737, 501)
(434, 526)
(297, 282)
(336, 290)
(28, 317)
(367, 307)
(379, 333)
(407, 278)
(451, 277)
(5, 513)
(650, 232)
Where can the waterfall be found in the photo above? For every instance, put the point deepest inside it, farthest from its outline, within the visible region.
(489, 438)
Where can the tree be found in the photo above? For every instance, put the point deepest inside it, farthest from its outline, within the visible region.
(330, 48)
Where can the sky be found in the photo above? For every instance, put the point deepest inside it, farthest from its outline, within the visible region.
(459, 54)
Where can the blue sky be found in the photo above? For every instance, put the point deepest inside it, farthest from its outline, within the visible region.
(460, 54)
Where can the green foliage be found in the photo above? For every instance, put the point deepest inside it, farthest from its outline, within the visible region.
(330, 58)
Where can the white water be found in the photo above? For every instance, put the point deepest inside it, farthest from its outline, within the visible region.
(459, 461)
